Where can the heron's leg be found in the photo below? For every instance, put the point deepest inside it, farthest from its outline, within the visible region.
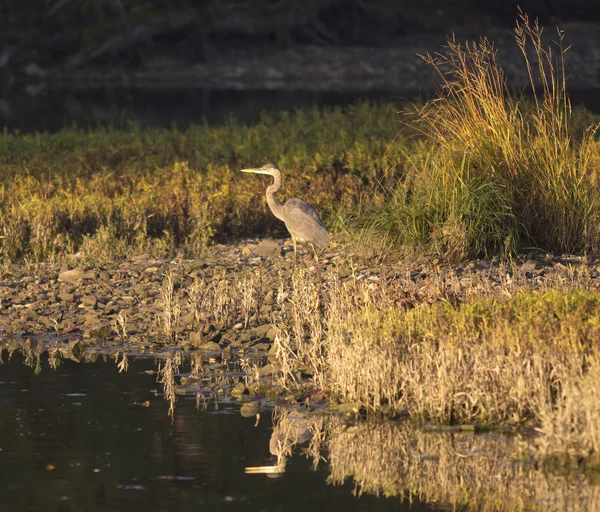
(316, 260)
(295, 254)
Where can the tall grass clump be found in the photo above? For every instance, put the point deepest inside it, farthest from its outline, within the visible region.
(517, 357)
(502, 169)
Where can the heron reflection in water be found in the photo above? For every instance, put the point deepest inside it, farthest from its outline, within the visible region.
(300, 218)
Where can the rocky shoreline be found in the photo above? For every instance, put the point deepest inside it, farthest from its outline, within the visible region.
(232, 298)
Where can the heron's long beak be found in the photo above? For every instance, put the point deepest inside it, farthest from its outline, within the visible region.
(257, 171)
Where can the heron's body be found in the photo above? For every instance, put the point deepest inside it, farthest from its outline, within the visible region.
(303, 222)
(300, 218)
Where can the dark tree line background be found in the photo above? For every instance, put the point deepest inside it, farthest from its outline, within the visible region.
(73, 33)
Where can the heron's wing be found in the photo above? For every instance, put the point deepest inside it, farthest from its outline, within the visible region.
(303, 221)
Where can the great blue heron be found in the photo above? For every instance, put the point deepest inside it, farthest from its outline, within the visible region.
(301, 219)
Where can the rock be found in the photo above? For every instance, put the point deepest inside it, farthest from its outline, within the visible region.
(197, 264)
(239, 389)
(348, 409)
(102, 331)
(247, 250)
(66, 297)
(250, 409)
(91, 318)
(89, 300)
(530, 266)
(262, 346)
(196, 339)
(211, 346)
(216, 337)
(267, 248)
(266, 370)
(71, 276)
(246, 337)
(262, 330)
(104, 276)
(272, 354)
(208, 329)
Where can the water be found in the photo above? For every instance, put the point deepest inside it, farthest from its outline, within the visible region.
(51, 110)
(85, 437)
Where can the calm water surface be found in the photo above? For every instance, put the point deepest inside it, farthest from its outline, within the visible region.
(85, 437)
(51, 110)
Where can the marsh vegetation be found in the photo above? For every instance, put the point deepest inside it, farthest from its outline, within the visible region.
(478, 193)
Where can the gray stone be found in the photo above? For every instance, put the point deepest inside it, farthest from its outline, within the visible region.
(101, 331)
(66, 297)
(91, 318)
(211, 346)
(267, 248)
(197, 264)
(250, 409)
(71, 276)
(266, 370)
(89, 300)
(262, 330)
(530, 266)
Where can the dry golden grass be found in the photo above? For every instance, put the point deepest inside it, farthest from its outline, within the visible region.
(504, 355)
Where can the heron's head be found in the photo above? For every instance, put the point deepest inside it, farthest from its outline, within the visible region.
(269, 169)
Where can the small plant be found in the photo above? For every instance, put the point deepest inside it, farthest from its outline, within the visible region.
(166, 376)
(123, 365)
(171, 312)
(121, 325)
(56, 321)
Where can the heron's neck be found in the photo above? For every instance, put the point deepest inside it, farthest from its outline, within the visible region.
(275, 206)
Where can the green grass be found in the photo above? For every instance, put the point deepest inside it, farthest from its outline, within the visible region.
(166, 190)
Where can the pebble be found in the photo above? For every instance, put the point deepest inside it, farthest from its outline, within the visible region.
(89, 300)
(267, 248)
(71, 276)
(250, 409)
